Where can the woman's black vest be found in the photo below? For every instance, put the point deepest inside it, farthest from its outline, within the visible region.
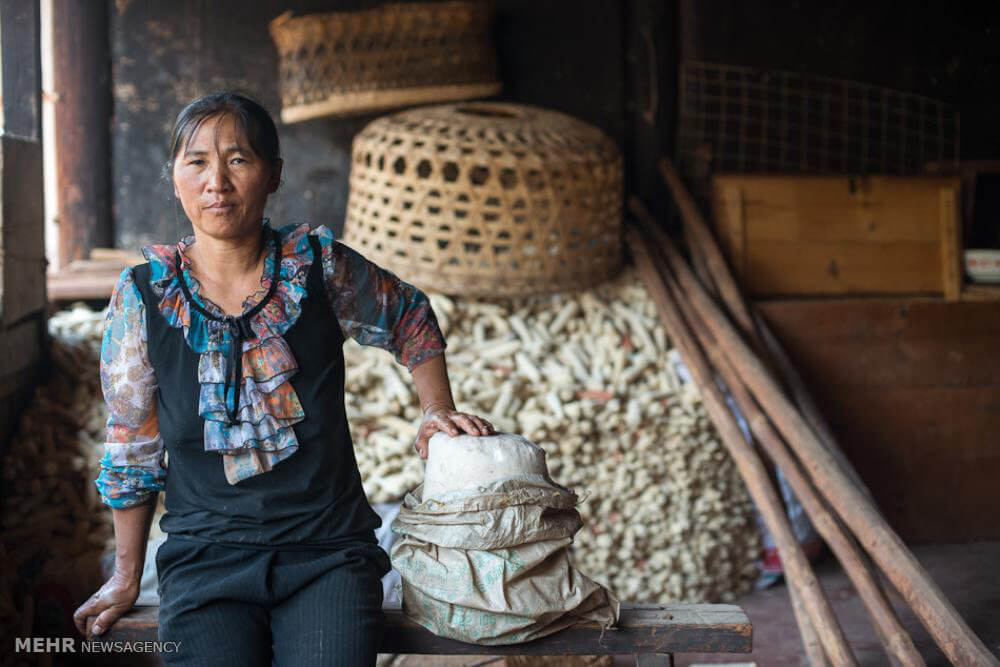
(314, 498)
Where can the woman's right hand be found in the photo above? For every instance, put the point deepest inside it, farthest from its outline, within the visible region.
(116, 597)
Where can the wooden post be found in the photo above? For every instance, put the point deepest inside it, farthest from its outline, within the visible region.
(956, 639)
(797, 569)
(81, 72)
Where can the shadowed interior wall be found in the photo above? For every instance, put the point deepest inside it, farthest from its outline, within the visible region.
(947, 52)
(563, 55)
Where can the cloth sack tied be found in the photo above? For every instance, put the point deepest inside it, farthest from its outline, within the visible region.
(489, 564)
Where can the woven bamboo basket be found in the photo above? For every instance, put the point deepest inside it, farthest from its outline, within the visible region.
(487, 199)
(346, 63)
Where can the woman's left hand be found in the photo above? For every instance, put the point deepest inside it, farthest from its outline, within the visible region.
(451, 422)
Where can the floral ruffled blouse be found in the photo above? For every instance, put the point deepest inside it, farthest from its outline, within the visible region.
(248, 411)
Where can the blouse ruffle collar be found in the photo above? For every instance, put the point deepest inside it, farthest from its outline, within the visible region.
(261, 434)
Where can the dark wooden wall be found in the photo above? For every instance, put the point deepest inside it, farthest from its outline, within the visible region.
(565, 55)
(22, 249)
(912, 390)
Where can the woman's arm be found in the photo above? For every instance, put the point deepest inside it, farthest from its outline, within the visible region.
(132, 468)
(431, 380)
(119, 593)
(433, 387)
(132, 527)
(376, 308)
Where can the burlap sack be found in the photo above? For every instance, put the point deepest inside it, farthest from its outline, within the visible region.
(491, 566)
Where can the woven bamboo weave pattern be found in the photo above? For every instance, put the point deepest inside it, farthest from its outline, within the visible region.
(343, 63)
(487, 199)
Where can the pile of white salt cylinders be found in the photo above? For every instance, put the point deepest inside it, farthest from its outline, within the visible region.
(591, 377)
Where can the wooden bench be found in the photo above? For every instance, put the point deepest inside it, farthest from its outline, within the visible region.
(650, 632)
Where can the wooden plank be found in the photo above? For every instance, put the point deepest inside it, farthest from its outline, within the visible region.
(874, 222)
(975, 292)
(93, 278)
(20, 346)
(888, 363)
(823, 189)
(23, 287)
(123, 255)
(645, 628)
(729, 215)
(928, 456)
(951, 245)
(808, 234)
(778, 268)
(826, 208)
(807, 321)
(21, 224)
(74, 285)
(23, 203)
(967, 171)
(929, 424)
(911, 389)
(102, 265)
(21, 76)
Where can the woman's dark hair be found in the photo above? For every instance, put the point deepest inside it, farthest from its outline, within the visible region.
(254, 121)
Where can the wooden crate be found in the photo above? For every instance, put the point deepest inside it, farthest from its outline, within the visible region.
(834, 235)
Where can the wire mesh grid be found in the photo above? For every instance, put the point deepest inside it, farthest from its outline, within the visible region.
(742, 119)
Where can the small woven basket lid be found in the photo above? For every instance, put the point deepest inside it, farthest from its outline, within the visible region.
(487, 199)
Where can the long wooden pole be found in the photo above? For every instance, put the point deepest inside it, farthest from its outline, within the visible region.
(701, 234)
(952, 634)
(898, 644)
(751, 468)
(705, 276)
(802, 396)
(811, 644)
(704, 245)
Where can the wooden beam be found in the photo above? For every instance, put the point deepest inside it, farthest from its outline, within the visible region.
(81, 71)
(644, 629)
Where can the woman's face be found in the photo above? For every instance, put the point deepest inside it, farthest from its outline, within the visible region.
(222, 184)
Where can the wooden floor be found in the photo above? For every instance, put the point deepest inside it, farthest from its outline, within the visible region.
(965, 571)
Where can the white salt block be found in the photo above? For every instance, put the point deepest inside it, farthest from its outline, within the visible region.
(465, 462)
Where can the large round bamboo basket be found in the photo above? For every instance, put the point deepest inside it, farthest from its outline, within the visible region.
(345, 63)
(487, 199)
